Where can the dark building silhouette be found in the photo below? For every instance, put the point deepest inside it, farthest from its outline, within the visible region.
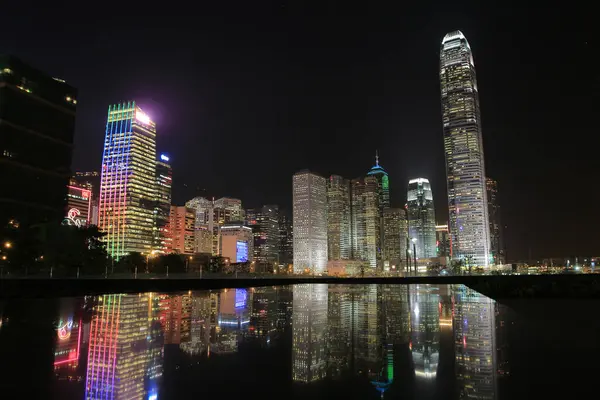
(37, 121)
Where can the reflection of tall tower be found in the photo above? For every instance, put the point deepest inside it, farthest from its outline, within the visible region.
(475, 344)
(425, 326)
(175, 313)
(125, 351)
(199, 324)
(309, 328)
(339, 329)
(263, 320)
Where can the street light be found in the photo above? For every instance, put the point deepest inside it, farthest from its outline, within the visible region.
(414, 240)
(7, 245)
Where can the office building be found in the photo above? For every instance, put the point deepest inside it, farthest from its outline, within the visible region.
(203, 229)
(421, 218)
(89, 180)
(286, 239)
(79, 206)
(163, 239)
(383, 182)
(264, 222)
(128, 180)
(463, 146)
(236, 243)
(181, 228)
(226, 210)
(310, 222)
(339, 234)
(497, 253)
(394, 238)
(442, 241)
(366, 222)
(37, 122)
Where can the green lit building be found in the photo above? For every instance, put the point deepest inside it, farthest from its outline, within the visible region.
(128, 180)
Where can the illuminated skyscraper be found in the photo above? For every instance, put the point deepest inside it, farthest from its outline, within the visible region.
(309, 332)
(394, 237)
(128, 180)
(384, 184)
(421, 217)
(181, 228)
(175, 317)
(497, 254)
(463, 145)
(264, 222)
(203, 230)
(366, 221)
(310, 222)
(163, 238)
(338, 218)
(442, 241)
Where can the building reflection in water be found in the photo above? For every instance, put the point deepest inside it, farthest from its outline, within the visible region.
(475, 343)
(425, 331)
(386, 335)
(309, 330)
(125, 347)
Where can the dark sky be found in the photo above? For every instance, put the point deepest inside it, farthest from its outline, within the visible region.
(246, 93)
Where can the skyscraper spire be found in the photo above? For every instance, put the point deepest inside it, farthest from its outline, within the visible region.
(377, 158)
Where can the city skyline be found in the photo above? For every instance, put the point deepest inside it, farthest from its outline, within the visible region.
(398, 119)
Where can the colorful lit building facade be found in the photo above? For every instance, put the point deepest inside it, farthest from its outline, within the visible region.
(128, 180)
(237, 243)
(463, 147)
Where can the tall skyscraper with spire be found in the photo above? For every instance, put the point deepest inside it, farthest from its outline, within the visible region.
(463, 145)
(384, 183)
(128, 180)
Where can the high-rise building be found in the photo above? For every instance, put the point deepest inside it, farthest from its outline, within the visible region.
(394, 238)
(226, 210)
(384, 184)
(264, 222)
(37, 122)
(310, 222)
(463, 145)
(162, 211)
(128, 182)
(497, 253)
(286, 239)
(442, 241)
(181, 228)
(203, 230)
(421, 217)
(79, 206)
(89, 180)
(236, 243)
(366, 221)
(339, 234)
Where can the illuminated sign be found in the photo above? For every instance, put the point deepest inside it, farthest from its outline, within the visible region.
(72, 218)
(64, 330)
(241, 254)
(164, 157)
(142, 117)
(241, 297)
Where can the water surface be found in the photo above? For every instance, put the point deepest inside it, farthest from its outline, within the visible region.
(300, 341)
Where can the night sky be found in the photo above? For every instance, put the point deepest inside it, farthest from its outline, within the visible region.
(246, 93)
